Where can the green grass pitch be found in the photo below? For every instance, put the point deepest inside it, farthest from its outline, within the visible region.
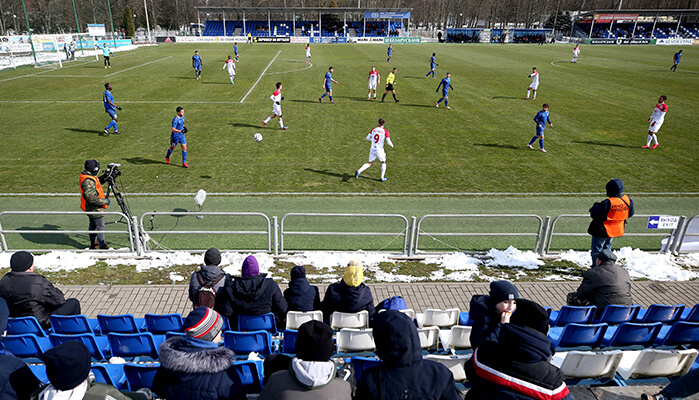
(52, 120)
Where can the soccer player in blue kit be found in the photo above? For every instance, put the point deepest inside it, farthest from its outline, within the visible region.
(196, 64)
(676, 60)
(177, 136)
(541, 118)
(327, 85)
(110, 108)
(432, 65)
(235, 50)
(446, 85)
(390, 52)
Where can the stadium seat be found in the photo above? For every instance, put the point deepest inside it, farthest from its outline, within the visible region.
(355, 340)
(171, 334)
(572, 314)
(294, 319)
(251, 374)
(577, 335)
(651, 363)
(125, 323)
(615, 315)
(39, 371)
(407, 311)
(140, 375)
(631, 334)
(660, 313)
(443, 319)
(243, 343)
(98, 345)
(26, 345)
(429, 338)
(598, 365)
(691, 315)
(74, 324)
(226, 324)
(25, 325)
(362, 363)
(680, 333)
(264, 322)
(464, 319)
(133, 346)
(340, 320)
(457, 338)
(454, 363)
(160, 324)
(111, 374)
(289, 341)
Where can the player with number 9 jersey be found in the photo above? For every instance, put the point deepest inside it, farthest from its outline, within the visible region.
(377, 137)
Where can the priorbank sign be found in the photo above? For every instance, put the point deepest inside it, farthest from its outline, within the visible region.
(402, 40)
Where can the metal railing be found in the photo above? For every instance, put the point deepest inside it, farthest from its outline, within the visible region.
(267, 231)
(405, 232)
(538, 234)
(3, 232)
(678, 248)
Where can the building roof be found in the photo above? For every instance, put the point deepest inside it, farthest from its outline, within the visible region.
(644, 13)
(298, 10)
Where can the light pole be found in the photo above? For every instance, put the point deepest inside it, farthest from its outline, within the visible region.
(145, 10)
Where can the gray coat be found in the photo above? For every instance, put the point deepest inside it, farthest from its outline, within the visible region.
(209, 273)
(607, 283)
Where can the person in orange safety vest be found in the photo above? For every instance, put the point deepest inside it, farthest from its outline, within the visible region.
(609, 217)
(92, 199)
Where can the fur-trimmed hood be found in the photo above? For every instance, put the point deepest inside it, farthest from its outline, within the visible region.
(178, 354)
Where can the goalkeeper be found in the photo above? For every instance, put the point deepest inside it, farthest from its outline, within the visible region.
(177, 136)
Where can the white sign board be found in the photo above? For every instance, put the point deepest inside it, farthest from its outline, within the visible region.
(96, 30)
(675, 41)
(663, 222)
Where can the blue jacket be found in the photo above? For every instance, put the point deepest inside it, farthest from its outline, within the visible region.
(194, 369)
(343, 298)
(302, 296)
(515, 367)
(17, 381)
(403, 374)
(486, 320)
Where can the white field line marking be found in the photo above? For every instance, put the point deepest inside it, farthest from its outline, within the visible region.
(310, 65)
(120, 101)
(261, 75)
(360, 194)
(138, 66)
(43, 72)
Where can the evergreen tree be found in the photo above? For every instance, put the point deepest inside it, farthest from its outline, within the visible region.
(128, 22)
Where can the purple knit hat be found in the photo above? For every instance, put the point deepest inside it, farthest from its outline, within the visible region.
(250, 266)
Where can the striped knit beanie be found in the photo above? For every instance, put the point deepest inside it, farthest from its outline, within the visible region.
(203, 323)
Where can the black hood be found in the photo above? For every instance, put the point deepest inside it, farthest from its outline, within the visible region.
(397, 342)
(359, 295)
(249, 288)
(615, 188)
(299, 287)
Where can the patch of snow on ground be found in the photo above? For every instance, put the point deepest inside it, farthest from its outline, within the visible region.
(513, 257)
(581, 258)
(657, 267)
(691, 259)
(176, 277)
(455, 262)
(333, 259)
(62, 261)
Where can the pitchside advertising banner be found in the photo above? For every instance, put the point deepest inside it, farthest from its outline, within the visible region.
(386, 15)
(607, 18)
(675, 41)
(366, 40)
(402, 40)
(210, 39)
(619, 41)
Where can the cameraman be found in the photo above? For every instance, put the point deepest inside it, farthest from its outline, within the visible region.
(92, 199)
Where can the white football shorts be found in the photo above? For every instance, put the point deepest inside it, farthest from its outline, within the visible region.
(277, 109)
(655, 128)
(372, 85)
(534, 86)
(374, 154)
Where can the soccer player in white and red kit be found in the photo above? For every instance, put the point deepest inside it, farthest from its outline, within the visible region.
(372, 81)
(230, 64)
(576, 53)
(534, 85)
(656, 121)
(377, 136)
(276, 98)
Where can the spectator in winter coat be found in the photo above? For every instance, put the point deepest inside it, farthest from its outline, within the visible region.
(208, 273)
(515, 366)
(403, 374)
(300, 295)
(17, 381)
(609, 217)
(251, 294)
(606, 283)
(311, 374)
(350, 295)
(195, 367)
(31, 295)
(490, 312)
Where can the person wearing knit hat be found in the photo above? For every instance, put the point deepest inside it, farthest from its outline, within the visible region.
(311, 374)
(301, 295)
(489, 312)
(195, 366)
(30, 295)
(251, 294)
(349, 295)
(609, 217)
(210, 278)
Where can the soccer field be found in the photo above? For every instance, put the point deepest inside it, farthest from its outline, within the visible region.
(52, 120)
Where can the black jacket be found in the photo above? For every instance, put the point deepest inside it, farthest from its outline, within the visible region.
(607, 283)
(28, 294)
(251, 295)
(486, 320)
(403, 374)
(302, 296)
(343, 298)
(17, 381)
(519, 362)
(600, 210)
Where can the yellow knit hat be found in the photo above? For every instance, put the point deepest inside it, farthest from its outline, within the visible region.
(354, 274)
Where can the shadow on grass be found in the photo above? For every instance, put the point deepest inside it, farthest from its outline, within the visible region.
(604, 144)
(244, 125)
(508, 97)
(420, 105)
(78, 130)
(345, 176)
(143, 161)
(58, 238)
(498, 145)
(303, 101)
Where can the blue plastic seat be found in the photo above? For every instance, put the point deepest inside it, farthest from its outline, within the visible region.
(124, 323)
(680, 333)
(465, 319)
(98, 345)
(631, 334)
(289, 342)
(25, 325)
(133, 345)
(661, 313)
(251, 374)
(690, 315)
(243, 343)
(571, 314)
(615, 314)
(264, 322)
(74, 324)
(26, 345)
(140, 375)
(362, 363)
(111, 374)
(160, 324)
(578, 335)
(168, 335)
(39, 371)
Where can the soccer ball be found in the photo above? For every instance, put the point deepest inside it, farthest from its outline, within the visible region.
(257, 137)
